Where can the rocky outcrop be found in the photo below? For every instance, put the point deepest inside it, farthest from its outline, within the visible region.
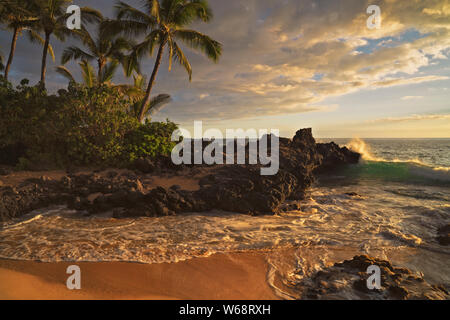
(244, 190)
(333, 156)
(31, 195)
(235, 188)
(349, 279)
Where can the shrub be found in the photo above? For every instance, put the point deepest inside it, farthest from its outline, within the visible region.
(150, 140)
(94, 123)
(79, 126)
(27, 120)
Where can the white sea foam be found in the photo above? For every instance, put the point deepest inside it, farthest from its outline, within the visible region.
(415, 167)
(382, 219)
(329, 217)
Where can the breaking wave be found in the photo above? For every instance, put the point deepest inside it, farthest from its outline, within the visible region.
(388, 208)
(395, 169)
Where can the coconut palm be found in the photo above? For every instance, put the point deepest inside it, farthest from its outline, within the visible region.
(2, 8)
(18, 17)
(1, 62)
(136, 91)
(51, 20)
(103, 48)
(155, 105)
(162, 24)
(90, 78)
(136, 94)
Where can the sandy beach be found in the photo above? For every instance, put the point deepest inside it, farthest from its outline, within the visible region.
(237, 276)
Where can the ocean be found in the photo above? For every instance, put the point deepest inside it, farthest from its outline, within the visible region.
(389, 206)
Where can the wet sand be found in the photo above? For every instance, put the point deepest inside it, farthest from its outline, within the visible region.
(188, 181)
(236, 276)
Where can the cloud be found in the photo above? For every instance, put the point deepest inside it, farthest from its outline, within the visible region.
(271, 62)
(287, 57)
(405, 98)
(389, 82)
(415, 117)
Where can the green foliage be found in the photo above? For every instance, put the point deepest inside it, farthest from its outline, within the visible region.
(150, 140)
(94, 123)
(79, 126)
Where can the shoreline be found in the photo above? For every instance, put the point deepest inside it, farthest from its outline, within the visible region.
(155, 188)
(223, 276)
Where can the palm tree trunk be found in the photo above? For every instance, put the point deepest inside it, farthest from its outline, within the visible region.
(101, 64)
(44, 58)
(151, 82)
(12, 51)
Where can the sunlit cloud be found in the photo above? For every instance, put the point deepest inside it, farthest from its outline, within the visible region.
(405, 98)
(415, 117)
(288, 57)
(303, 52)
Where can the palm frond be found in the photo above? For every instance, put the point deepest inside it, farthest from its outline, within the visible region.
(118, 45)
(65, 73)
(90, 15)
(126, 12)
(170, 43)
(161, 23)
(108, 72)
(182, 59)
(140, 81)
(148, 45)
(196, 40)
(157, 104)
(85, 37)
(130, 64)
(129, 28)
(35, 37)
(75, 53)
(88, 74)
(154, 10)
(192, 11)
(135, 92)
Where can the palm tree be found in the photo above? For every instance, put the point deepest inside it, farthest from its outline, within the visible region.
(162, 24)
(135, 92)
(18, 16)
(154, 106)
(90, 78)
(51, 20)
(103, 49)
(1, 62)
(1, 54)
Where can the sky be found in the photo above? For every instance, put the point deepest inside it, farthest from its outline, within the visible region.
(291, 64)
